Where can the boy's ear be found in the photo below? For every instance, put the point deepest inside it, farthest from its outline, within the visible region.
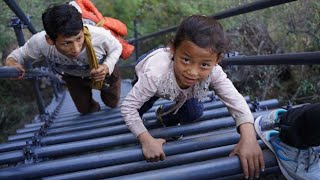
(49, 40)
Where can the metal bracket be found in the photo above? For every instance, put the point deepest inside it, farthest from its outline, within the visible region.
(256, 105)
(28, 152)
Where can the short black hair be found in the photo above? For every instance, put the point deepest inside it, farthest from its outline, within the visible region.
(62, 19)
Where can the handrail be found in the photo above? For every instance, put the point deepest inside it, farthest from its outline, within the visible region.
(250, 7)
(9, 72)
(33, 151)
(17, 10)
(275, 59)
(302, 58)
(12, 72)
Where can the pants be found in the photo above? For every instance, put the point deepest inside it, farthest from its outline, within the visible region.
(299, 127)
(190, 111)
(81, 92)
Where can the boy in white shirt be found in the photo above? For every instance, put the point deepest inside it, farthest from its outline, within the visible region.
(63, 43)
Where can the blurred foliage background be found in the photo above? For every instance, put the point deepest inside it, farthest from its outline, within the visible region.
(291, 27)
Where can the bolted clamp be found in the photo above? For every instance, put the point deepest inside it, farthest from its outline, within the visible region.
(256, 105)
(36, 139)
(28, 152)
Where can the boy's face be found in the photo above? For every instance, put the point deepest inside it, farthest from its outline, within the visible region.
(192, 64)
(70, 46)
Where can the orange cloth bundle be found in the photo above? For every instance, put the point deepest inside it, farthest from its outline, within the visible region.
(117, 28)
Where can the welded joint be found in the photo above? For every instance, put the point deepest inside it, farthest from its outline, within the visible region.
(28, 152)
(256, 105)
(36, 139)
(54, 114)
(43, 129)
(17, 23)
(44, 117)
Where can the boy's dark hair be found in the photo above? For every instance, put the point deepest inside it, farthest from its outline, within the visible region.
(62, 19)
(203, 31)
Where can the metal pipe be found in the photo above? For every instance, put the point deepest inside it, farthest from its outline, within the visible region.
(13, 72)
(49, 140)
(35, 83)
(272, 170)
(96, 131)
(17, 10)
(11, 146)
(12, 157)
(117, 140)
(99, 122)
(9, 72)
(250, 7)
(275, 59)
(19, 34)
(142, 166)
(113, 113)
(114, 157)
(209, 169)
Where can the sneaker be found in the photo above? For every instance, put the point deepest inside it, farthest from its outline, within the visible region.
(294, 163)
(158, 116)
(178, 137)
(270, 121)
(160, 119)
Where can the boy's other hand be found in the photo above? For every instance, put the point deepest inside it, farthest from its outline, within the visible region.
(100, 73)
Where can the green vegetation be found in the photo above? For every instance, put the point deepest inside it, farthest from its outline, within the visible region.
(291, 27)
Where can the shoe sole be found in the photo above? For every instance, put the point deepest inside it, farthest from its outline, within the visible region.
(257, 128)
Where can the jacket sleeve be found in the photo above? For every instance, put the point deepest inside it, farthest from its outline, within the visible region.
(31, 49)
(141, 92)
(113, 48)
(230, 96)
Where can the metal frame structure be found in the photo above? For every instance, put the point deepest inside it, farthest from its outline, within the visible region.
(62, 144)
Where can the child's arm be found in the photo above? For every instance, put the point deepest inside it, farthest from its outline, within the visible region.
(140, 93)
(249, 152)
(230, 96)
(11, 62)
(113, 48)
(31, 50)
(247, 149)
(151, 148)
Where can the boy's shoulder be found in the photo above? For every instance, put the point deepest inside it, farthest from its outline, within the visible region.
(39, 36)
(38, 40)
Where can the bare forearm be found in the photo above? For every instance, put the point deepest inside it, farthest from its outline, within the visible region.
(14, 63)
(144, 137)
(247, 131)
(11, 61)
